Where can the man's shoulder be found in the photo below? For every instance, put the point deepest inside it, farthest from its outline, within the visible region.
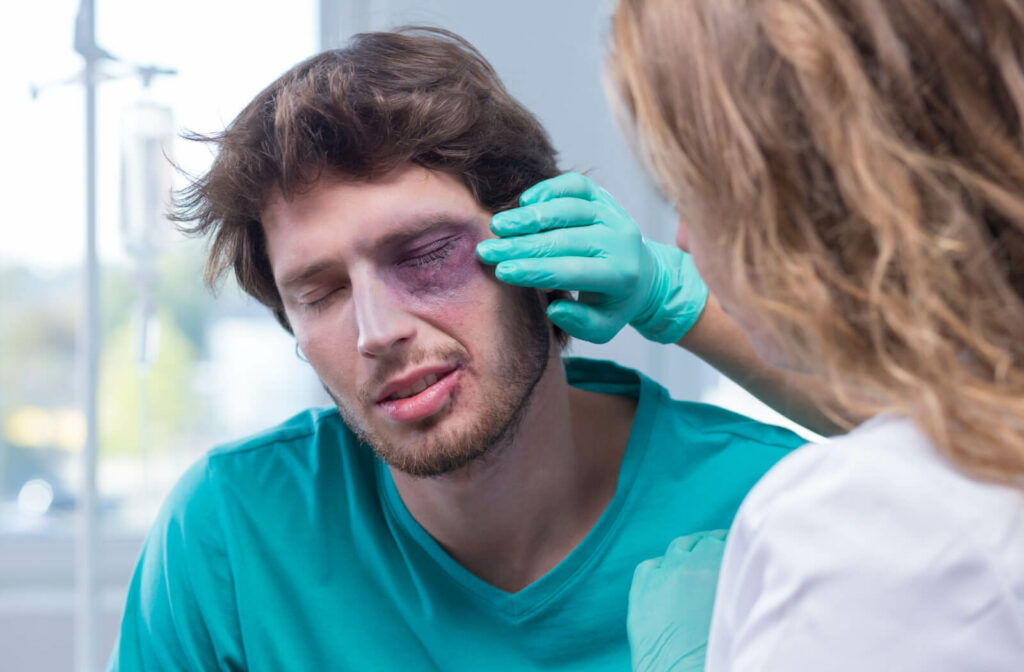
(685, 420)
(293, 449)
(598, 375)
(308, 426)
(712, 421)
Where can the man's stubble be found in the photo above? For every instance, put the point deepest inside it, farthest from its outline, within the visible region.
(505, 397)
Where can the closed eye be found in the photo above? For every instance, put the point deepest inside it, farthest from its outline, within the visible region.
(323, 301)
(432, 255)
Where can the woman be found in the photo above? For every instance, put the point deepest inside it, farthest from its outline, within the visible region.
(850, 179)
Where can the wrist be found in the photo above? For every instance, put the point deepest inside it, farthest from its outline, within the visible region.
(676, 295)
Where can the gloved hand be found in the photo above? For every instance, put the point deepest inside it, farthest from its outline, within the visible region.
(570, 234)
(670, 604)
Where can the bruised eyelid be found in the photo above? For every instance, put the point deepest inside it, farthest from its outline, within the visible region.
(431, 230)
(437, 248)
(424, 243)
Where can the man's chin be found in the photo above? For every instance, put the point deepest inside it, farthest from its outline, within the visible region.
(443, 443)
(430, 449)
(431, 465)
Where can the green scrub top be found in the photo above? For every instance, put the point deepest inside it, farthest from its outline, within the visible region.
(292, 550)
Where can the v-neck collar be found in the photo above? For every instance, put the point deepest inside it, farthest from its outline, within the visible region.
(586, 374)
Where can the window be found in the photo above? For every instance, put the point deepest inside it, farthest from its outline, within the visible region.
(177, 371)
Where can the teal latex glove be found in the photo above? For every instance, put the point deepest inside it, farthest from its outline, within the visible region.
(570, 234)
(670, 604)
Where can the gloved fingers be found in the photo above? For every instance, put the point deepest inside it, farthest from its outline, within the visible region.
(710, 548)
(569, 184)
(584, 322)
(695, 548)
(716, 534)
(643, 572)
(683, 545)
(555, 214)
(574, 242)
(585, 274)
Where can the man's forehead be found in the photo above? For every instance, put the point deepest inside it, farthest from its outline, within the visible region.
(340, 215)
(398, 199)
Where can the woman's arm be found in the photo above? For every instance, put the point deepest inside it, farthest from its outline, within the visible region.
(570, 234)
(720, 342)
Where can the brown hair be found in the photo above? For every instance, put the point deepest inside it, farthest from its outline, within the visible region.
(416, 95)
(858, 164)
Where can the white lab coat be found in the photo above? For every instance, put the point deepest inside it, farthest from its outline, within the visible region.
(871, 554)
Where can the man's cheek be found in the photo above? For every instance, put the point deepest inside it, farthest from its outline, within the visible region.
(330, 351)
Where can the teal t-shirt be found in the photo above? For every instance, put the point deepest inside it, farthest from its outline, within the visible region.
(292, 550)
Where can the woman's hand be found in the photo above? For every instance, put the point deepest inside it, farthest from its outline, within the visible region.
(670, 604)
(570, 234)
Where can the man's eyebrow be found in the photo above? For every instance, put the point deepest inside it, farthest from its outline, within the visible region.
(305, 273)
(419, 225)
(415, 227)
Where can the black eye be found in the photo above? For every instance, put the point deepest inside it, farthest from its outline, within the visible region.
(431, 255)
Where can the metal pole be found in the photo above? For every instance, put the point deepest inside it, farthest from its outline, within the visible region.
(85, 574)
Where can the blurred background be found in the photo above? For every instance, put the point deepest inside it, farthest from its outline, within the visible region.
(117, 367)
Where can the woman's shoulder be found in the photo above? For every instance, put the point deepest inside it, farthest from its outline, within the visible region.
(875, 548)
(888, 465)
(883, 498)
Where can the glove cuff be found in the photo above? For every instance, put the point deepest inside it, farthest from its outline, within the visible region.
(677, 297)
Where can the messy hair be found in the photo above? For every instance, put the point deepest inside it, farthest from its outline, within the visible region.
(417, 95)
(859, 165)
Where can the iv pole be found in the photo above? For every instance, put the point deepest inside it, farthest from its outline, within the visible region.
(85, 555)
(92, 74)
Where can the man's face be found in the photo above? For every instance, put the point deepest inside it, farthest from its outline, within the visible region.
(429, 358)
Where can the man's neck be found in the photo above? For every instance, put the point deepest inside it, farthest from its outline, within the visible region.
(511, 517)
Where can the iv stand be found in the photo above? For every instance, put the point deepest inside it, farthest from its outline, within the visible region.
(85, 551)
(85, 565)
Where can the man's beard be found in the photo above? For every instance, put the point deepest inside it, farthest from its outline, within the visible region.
(504, 396)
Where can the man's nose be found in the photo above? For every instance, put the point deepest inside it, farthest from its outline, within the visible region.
(382, 321)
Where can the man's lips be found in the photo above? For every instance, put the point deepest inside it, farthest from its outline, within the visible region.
(405, 385)
(423, 400)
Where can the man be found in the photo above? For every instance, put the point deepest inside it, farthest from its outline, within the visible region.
(473, 502)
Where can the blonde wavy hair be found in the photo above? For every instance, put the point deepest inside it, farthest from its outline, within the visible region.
(859, 167)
